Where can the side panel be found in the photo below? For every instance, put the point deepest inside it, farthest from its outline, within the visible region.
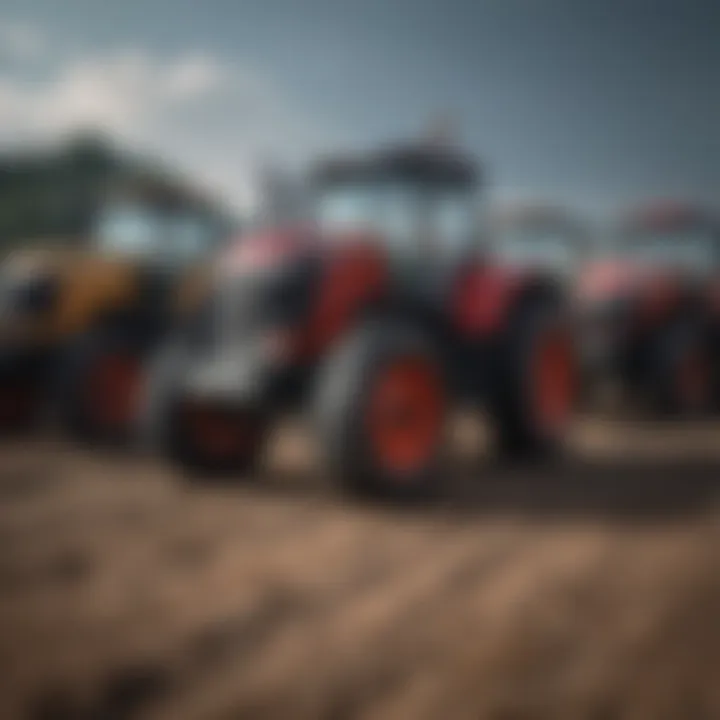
(482, 299)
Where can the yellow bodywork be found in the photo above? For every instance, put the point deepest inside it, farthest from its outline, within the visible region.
(193, 288)
(90, 286)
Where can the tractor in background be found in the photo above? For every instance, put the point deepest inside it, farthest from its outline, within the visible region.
(79, 319)
(650, 310)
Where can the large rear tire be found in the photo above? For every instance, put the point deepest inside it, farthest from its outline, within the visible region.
(381, 408)
(536, 386)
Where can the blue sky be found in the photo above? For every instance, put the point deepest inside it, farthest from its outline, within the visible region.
(586, 102)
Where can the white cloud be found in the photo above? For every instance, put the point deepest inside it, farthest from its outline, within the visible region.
(121, 93)
(213, 117)
(21, 41)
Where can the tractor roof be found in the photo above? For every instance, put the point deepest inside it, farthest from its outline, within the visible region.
(416, 162)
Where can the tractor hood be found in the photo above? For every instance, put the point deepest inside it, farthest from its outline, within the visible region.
(267, 249)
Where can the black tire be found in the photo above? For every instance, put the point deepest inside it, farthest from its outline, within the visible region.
(183, 447)
(342, 404)
(680, 344)
(519, 433)
(75, 394)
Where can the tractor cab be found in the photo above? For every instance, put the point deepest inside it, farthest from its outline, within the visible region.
(79, 318)
(538, 237)
(419, 201)
(165, 230)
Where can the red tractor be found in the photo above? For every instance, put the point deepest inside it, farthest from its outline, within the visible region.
(379, 315)
(650, 310)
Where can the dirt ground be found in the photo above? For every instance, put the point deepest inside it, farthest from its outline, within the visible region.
(589, 590)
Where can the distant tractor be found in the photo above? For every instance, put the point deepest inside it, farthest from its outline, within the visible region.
(539, 237)
(78, 319)
(378, 316)
(651, 311)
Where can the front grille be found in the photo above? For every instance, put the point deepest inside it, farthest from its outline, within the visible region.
(243, 306)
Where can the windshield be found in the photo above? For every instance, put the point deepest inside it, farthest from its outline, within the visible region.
(173, 237)
(555, 249)
(411, 217)
(694, 250)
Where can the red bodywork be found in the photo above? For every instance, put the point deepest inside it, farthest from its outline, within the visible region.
(355, 273)
(265, 249)
(484, 296)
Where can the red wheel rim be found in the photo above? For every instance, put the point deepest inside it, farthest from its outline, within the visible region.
(553, 378)
(114, 388)
(405, 415)
(217, 433)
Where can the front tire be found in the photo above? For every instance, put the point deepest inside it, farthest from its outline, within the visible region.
(381, 406)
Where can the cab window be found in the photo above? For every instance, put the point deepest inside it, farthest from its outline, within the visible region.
(165, 236)
(416, 221)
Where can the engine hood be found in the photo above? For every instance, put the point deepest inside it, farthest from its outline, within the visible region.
(266, 249)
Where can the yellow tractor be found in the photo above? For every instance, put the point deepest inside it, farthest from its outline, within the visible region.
(78, 320)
